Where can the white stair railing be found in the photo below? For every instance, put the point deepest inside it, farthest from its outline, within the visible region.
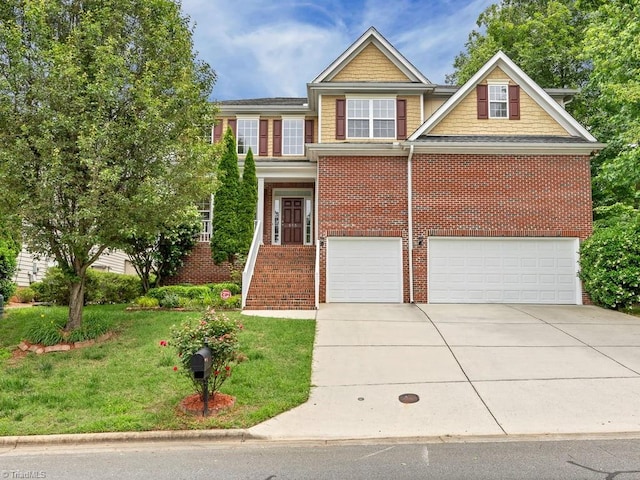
(317, 275)
(247, 273)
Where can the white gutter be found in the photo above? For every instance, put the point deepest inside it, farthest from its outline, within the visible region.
(410, 221)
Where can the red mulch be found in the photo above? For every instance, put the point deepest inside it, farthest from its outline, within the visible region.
(194, 405)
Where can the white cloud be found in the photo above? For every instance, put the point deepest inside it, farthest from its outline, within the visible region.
(267, 49)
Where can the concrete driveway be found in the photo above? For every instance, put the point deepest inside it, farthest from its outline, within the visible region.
(478, 370)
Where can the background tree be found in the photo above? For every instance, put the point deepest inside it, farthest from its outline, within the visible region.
(225, 236)
(543, 37)
(611, 46)
(100, 102)
(248, 203)
(9, 250)
(162, 253)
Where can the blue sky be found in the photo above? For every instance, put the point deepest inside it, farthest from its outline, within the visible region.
(272, 48)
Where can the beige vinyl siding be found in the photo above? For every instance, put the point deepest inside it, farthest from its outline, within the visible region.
(370, 65)
(463, 119)
(413, 112)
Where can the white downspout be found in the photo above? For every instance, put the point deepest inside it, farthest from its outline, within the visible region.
(410, 220)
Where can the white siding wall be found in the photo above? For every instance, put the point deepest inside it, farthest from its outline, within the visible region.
(32, 270)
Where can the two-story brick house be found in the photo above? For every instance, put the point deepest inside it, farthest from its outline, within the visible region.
(381, 186)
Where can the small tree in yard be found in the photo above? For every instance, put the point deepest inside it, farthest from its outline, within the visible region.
(162, 253)
(220, 334)
(248, 203)
(100, 107)
(225, 240)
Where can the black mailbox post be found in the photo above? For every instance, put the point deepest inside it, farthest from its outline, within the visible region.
(201, 363)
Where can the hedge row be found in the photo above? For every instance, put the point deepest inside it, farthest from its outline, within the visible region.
(101, 287)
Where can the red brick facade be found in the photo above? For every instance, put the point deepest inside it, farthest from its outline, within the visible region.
(497, 196)
(362, 197)
(453, 195)
(199, 268)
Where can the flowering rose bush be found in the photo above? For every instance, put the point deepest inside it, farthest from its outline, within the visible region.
(220, 334)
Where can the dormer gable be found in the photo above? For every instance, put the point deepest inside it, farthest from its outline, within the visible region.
(371, 58)
(500, 99)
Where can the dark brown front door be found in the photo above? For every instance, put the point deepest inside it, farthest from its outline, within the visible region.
(292, 221)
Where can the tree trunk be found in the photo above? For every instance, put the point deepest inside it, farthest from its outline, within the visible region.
(76, 304)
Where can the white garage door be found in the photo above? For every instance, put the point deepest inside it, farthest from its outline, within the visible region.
(503, 270)
(366, 270)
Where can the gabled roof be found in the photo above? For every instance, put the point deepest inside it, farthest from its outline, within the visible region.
(542, 98)
(368, 37)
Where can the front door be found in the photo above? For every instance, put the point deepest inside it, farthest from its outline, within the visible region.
(292, 224)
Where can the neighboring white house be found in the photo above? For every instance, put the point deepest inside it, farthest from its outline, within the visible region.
(31, 269)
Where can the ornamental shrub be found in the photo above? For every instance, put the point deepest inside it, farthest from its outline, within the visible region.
(198, 297)
(610, 265)
(147, 302)
(25, 294)
(169, 300)
(101, 287)
(220, 334)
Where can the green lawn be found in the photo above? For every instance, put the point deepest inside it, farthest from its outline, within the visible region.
(128, 383)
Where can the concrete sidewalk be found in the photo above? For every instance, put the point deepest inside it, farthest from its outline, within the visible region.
(479, 370)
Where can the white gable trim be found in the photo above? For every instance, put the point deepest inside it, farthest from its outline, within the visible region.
(542, 98)
(372, 36)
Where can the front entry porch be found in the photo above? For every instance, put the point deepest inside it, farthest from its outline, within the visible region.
(282, 272)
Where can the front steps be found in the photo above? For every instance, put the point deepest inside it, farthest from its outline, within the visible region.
(283, 278)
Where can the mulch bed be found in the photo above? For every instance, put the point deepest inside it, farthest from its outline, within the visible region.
(194, 405)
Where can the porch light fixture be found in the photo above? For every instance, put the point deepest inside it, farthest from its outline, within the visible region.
(420, 240)
(322, 239)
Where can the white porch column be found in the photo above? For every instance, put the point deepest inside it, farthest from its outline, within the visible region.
(261, 203)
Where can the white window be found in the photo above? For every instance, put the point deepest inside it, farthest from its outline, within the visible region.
(293, 136)
(498, 101)
(371, 118)
(247, 135)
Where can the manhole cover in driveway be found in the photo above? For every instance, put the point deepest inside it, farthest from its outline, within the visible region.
(409, 398)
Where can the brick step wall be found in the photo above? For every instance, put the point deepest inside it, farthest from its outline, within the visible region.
(283, 279)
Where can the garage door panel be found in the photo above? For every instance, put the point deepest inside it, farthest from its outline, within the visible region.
(364, 270)
(492, 270)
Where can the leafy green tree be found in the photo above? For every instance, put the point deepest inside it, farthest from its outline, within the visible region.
(225, 234)
(248, 203)
(611, 45)
(9, 250)
(543, 37)
(162, 253)
(100, 103)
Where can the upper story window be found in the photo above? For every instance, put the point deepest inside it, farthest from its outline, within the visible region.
(247, 135)
(371, 118)
(498, 101)
(293, 136)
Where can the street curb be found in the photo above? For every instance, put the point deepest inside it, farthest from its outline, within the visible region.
(238, 435)
(242, 436)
